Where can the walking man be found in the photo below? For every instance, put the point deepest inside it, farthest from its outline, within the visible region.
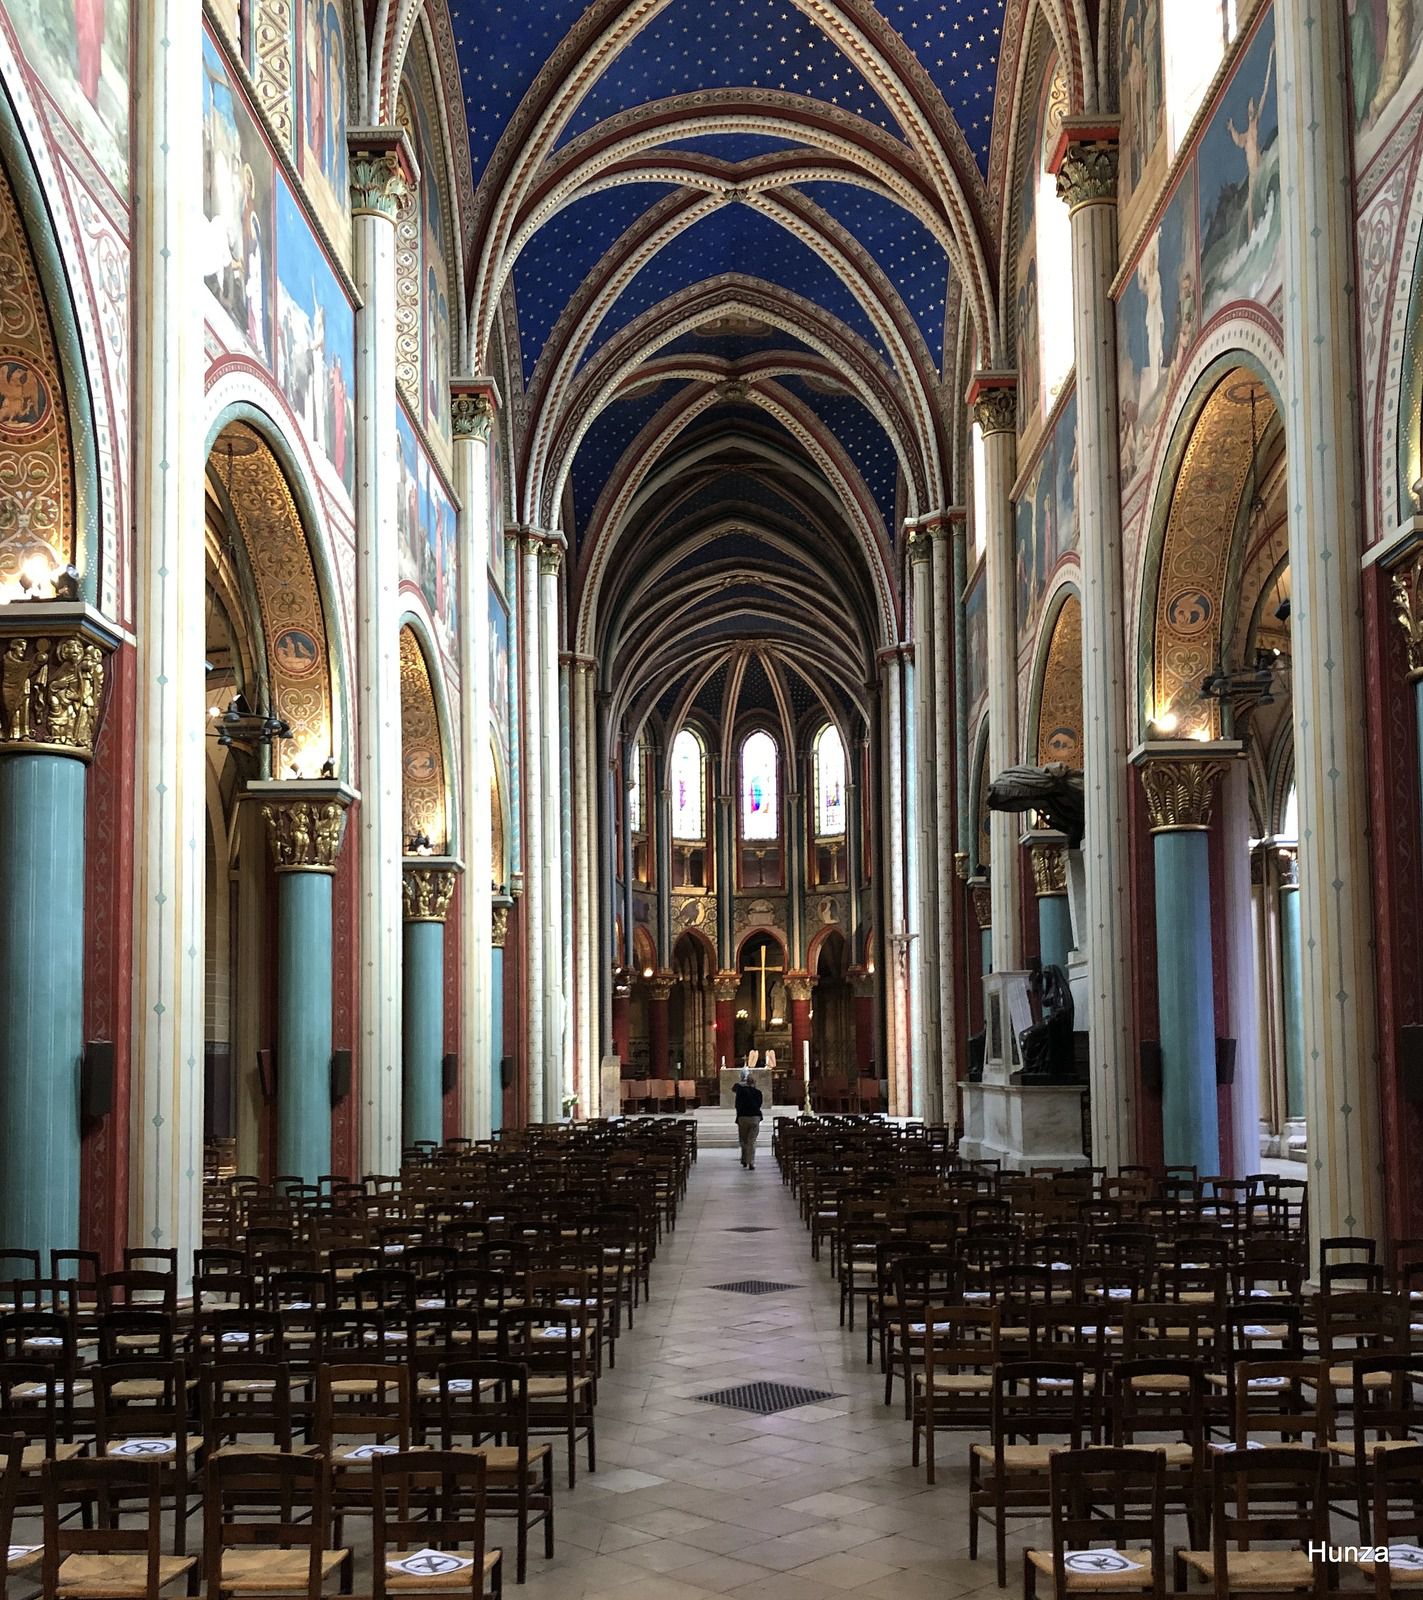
(748, 1119)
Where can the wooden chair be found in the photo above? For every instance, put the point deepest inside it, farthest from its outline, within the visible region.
(1030, 1401)
(1158, 1403)
(283, 1550)
(562, 1384)
(363, 1413)
(142, 1415)
(99, 1557)
(1396, 1495)
(241, 1399)
(489, 1401)
(1103, 1494)
(959, 1349)
(442, 1549)
(14, 1559)
(1271, 1496)
(1388, 1417)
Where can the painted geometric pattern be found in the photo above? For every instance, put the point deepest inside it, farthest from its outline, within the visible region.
(422, 756)
(36, 461)
(1060, 710)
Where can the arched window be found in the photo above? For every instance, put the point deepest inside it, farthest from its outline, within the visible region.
(1289, 817)
(980, 493)
(760, 796)
(1195, 34)
(642, 853)
(635, 787)
(689, 812)
(829, 783)
(1054, 253)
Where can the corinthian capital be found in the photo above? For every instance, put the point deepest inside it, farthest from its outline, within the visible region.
(382, 171)
(471, 415)
(1180, 793)
(994, 398)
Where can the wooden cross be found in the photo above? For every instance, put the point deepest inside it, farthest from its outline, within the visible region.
(761, 974)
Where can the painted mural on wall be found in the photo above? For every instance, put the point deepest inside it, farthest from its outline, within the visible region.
(1045, 519)
(316, 341)
(238, 239)
(1143, 90)
(425, 517)
(1385, 65)
(1156, 323)
(499, 669)
(434, 272)
(79, 50)
(975, 617)
(320, 115)
(1238, 182)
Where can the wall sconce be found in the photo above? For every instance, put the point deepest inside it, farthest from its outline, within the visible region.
(420, 845)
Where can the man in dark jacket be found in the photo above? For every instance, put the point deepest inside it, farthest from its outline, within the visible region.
(748, 1119)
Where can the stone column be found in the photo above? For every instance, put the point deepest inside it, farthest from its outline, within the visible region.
(536, 886)
(854, 847)
(628, 756)
(921, 865)
(724, 987)
(1048, 854)
(800, 986)
(940, 853)
(1291, 991)
(306, 823)
(587, 1076)
(170, 772)
(724, 846)
(493, 1068)
(51, 694)
(555, 973)
(659, 992)
(1180, 793)
(662, 834)
(895, 941)
(429, 883)
(863, 984)
(605, 900)
(1322, 444)
(381, 168)
(472, 413)
(1087, 181)
(993, 397)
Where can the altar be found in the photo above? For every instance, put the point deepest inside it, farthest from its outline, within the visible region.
(729, 1077)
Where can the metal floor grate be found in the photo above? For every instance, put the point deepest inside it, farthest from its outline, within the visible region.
(748, 1228)
(754, 1286)
(766, 1398)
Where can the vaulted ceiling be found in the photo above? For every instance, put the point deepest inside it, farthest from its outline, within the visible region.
(718, 254)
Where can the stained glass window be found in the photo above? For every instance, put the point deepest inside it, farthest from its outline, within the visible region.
(829, 783)
(688, 795)
(635, 789)
(1195, 35)
(760, 800)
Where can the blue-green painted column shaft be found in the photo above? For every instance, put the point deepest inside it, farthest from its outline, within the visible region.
(1185, 986)
(496, 1033)
(424, 1030)
(41, 989)
(1054, 930)
(304, 984)
(1292, 1000)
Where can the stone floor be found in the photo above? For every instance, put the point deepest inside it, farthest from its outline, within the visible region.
(692, 1499)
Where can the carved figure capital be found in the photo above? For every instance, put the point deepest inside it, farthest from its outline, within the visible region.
(1180, 793)
(499, 926)
(725, 985)
(1406, 588)
(427, 892)
(471, 416)
(1049, 869)
(799, 985)
(660, 985)
(982, 904)
(51, 693)
(995, 409)
(305, 833)
(1088, 174)
(550, 558)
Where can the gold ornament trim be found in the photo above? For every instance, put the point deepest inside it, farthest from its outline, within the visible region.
(799, 986)
(995, 410)
(305, 835)
(661, 984)
(427, 892)
(1088, 175)
(498, 926)
(1406, 589)
(1049, 870)
(550, 558)
(1180, 794)
(920, 548)
(51, 695)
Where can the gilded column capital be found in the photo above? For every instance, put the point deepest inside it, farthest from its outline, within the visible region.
(53, 665)
(550, 558)
(920, 545)
(799, 985)
(428, 887)
(383, 171)
(982, 893)
(1180, 792)
(1049, 869)
(660, 985)
(472, 414)
(993, 397)
(306, 823)
(725, 985)
(499, 924)
(1087, 174)
(1406, 590)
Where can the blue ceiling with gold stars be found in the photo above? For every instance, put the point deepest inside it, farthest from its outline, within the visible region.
(687, 48)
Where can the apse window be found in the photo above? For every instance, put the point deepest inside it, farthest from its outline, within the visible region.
(829, 761)
(1054, 252)
(1195, 34)
(687, 782)
(760, 812)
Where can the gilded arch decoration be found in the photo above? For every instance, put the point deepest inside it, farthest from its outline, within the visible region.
(424, 787)
(1059, 723)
